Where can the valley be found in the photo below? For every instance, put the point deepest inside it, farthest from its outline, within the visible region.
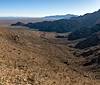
(58, 52)
(39, 58)
(49, 42)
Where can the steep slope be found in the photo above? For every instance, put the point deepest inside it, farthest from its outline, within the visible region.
(91, 41)
(89, 19)
(84, 32)
(92, 56)
(37, 58)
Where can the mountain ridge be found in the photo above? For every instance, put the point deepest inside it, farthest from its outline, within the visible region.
(58, 17)
(64, 25)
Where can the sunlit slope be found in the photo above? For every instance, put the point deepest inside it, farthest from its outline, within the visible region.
(33, 58)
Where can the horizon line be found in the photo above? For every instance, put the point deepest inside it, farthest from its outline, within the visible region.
(20, 16)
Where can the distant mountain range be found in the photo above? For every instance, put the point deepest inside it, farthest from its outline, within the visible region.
(66, 25)
(58, 17)
(85, 27)
(10, 20)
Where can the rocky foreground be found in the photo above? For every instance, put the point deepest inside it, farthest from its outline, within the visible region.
(37, 58)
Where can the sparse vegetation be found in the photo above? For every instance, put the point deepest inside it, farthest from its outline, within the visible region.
(26, 58)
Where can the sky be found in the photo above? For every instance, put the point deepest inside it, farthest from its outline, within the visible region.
(41, 8)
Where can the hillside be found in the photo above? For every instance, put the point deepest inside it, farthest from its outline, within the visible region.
(59, 26)
(38, 58)
(84, 32)
(89, 19)
(90, 41)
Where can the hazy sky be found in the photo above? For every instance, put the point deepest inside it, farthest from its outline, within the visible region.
(38, 8)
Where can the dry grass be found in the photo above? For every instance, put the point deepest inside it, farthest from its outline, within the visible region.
(26, 58)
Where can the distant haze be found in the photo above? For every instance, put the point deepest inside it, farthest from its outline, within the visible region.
(41, 8)
(57, 17)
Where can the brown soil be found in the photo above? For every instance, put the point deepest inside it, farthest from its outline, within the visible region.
(26, 58)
